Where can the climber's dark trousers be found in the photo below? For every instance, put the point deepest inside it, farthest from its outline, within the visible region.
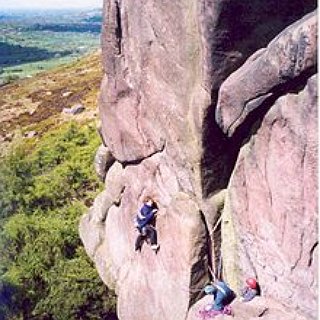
(146, 232)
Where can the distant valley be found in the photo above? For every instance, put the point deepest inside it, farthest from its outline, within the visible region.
(33, 41)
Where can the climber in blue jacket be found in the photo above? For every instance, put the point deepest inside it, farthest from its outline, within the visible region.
(144, 222)
(222, 294)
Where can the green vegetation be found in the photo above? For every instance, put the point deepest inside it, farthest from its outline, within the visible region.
(45, 187)
(32, 52)
(32, 42)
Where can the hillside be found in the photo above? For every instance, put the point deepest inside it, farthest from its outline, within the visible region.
(36, 104)
(47, 181)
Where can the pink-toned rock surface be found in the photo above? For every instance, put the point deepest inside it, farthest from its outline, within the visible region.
(163, 63)
(103, 161)
(272, 198)
(288, 56)
(147, 279)
(258, 308)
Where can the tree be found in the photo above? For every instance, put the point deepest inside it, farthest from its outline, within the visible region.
(45, 273)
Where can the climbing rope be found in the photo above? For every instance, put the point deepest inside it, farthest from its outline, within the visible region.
(220, 266)
(183, 287)
(216, 225)
(214, 278)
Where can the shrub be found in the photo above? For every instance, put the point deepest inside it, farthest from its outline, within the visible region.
(44, 188)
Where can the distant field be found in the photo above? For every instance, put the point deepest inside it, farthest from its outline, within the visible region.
(36, 104)
(32, 42)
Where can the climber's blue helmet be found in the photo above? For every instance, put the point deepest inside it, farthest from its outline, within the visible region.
(209, 289)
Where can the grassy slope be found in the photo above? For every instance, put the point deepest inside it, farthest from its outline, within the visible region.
(46, 185)
(36, 104)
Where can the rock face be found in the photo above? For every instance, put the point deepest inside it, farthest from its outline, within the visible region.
(103, 161)
(289, 56)
(273, 201)
(258, 308)
(167, 66)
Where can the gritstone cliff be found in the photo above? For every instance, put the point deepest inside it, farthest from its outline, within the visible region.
(211, 108)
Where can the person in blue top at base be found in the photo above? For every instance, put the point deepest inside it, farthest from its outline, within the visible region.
(144, 222)
(223, 295)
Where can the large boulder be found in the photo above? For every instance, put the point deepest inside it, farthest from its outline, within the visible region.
(272, 204)
(164, 62)
(145, 278)
(289, 56)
